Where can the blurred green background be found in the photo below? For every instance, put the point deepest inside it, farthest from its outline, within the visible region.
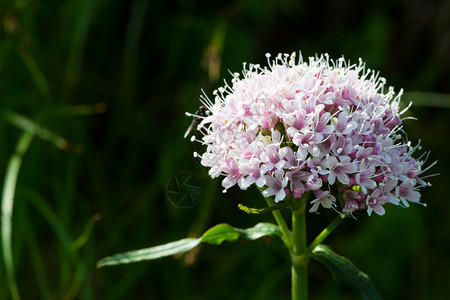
(114, 78)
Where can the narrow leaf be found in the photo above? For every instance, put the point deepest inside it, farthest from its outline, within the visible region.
(82, 239)
(35, 71)
(215, 236)
(156, 252)
(7, 204)
(32, 127)
(345, 269)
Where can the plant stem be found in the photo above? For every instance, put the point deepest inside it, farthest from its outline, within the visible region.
(326, 232)
(287, 235)
(299, 255)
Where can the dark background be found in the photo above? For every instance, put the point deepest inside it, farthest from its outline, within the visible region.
(115, 77)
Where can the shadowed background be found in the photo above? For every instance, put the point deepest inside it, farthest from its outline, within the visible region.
(114, 79)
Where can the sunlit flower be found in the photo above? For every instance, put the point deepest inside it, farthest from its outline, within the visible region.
(298, 127)
(324, 198)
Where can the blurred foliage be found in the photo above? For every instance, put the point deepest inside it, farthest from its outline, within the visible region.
(114, 78)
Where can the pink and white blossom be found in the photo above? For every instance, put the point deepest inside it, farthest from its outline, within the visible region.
(300, 127)
(323, 198)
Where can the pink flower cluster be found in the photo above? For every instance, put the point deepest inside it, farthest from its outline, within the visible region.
(318, 125)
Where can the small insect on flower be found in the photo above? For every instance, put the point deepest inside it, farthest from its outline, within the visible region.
(198, 116)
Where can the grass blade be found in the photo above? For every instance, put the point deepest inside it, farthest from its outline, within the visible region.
(9, 188)
(31, 126)
(35, 72)
(80, 35)
(131, 51)
(82, 239)
(66, 240)
(37, 262)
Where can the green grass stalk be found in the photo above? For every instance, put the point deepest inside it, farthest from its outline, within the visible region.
(9, 188)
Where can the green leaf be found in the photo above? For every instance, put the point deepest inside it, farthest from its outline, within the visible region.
(260, 230)
(7, 205)
(224, 232)
(345, 269)
(156, 252)
(215, 236)
(219, 233)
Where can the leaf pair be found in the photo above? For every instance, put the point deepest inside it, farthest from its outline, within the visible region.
(215, 236)
(337, 264)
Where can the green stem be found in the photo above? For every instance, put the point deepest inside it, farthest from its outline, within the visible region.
(326, 232)
(287, 235)
(299, 255)
(9, 187)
